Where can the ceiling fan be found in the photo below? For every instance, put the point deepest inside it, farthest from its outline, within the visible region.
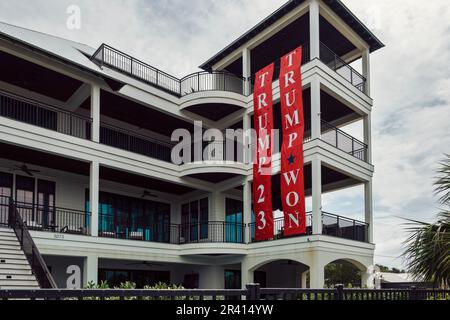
(144, 263)
(24, 168)
(147, 193)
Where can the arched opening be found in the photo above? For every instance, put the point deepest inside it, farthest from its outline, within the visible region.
(346, 272)
(281, 274)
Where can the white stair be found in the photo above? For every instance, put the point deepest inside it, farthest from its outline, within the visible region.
(15, 271)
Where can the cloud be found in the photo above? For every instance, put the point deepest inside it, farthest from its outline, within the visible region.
(410, 80)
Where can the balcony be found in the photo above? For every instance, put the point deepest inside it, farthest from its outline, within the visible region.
(47, 218)
(123, 225)
(196, 82)
(332, 225)
(38, 114)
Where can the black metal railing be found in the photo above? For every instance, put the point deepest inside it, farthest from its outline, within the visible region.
(48, 218)
(196, 82)
(44, 116)
(278, 228)
(332, 225)
(252, 292)
(213, 232)
(211, 81)
(123, 227)
(333, 61)
(134, 142)
(343, 141)
(342, 227)
(37, 263)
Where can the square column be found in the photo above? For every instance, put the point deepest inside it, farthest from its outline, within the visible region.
(368, 208)
(90, 269)
(304, 279)
(94, 186)
(367, 122)
(366, 69)
(315, 109)
(316, 273)
(247, 69)
(314, 29)
(95, 112)
(316, 196)
(247, 197)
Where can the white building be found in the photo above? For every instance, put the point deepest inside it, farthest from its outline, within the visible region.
(94, 126)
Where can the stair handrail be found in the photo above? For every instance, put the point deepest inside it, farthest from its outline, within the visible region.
(29, 248)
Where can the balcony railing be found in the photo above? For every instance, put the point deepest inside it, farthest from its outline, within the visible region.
(196, 82)
(332, 225)
(343, 141)
(123, 227)
(44, 116)
(47, 218)
(135, 142)
(336, 63)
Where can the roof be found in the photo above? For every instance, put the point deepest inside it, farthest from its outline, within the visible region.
(396, 277)
(73, 53)
(336, 5)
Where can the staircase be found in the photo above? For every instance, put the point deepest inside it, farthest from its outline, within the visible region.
(15, 270)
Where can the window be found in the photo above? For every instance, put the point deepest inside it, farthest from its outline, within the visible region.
(234, 221)
(141, 278)
(132, 218)
(194, 220)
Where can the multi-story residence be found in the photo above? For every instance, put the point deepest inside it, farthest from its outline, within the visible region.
(85, 156)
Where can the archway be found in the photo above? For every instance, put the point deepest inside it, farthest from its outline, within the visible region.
(348, 272)
(281, 274)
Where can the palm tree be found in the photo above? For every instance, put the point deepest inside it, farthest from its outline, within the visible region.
(428, 247)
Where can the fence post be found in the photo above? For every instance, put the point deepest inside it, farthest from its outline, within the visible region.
(339, 292)
(253, 291)
(413, 293)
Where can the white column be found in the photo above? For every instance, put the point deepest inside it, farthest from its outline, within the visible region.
(305, 279)
(95, 112)
(247, 69)
(316, 274)
(316, 196)
(246, 275)
(368, 208)
(315, 109)
(247, 197)
(366, 69)
(94, 186)
(90, 269)
(367, 122)
(314, 29)
(367, 280)
(246, 127)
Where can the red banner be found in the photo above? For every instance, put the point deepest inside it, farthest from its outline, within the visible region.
(292, 119)
(262, 168)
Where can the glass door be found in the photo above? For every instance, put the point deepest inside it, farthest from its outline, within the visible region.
(6, 185)
(46, 214)
(25, 200)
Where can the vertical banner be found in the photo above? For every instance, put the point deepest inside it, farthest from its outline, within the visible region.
(292, 119)
(262, 167)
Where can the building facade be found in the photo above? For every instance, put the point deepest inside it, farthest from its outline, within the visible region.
(85, 153)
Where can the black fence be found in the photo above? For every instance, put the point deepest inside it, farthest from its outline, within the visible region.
(333, 61)
(37, 263)
(134, 142)
(252, 292)
(343, 141)
(196, 82)
(332, 225)
(123, 227)
(44, 116)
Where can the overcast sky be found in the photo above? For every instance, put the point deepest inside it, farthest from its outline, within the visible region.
(410, 80)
